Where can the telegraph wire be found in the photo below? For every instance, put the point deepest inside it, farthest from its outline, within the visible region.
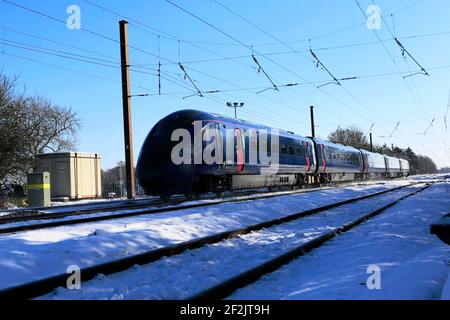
(58, 20)
(56, 42)
(63, 53)
(70, 70)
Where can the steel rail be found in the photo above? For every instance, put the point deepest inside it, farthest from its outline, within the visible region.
(226, 288)
(168, 208)
(43, 286)
(45, 213)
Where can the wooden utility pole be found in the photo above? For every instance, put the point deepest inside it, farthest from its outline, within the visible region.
(371, 143)
(126, 101)
(313, 128)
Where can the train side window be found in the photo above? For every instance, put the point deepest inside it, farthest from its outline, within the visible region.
(283, 149)
(291, 151)
(298, 151)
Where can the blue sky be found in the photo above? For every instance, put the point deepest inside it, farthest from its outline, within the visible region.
(339, 36)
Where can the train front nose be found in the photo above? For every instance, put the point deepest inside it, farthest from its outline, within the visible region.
(157, 174)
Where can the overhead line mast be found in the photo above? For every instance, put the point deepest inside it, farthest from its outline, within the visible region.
(126, 100)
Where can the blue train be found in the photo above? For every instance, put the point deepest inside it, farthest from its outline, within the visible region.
(193, 152)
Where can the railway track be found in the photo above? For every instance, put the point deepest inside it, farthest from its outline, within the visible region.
(132, 210)
(226, 288)
(43, 286)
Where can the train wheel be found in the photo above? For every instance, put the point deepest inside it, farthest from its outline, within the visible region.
(189, 197)
(165, 198)
(196, 196)
(220, 194)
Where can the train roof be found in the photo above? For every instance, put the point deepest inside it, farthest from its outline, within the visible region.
(190, 115)
(332, 144)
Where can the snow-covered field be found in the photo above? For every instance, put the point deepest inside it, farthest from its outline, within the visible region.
(27, 256)
(413, 263)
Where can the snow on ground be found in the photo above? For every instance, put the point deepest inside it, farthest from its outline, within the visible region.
(32, 255)
(412, 261)
(186, 274)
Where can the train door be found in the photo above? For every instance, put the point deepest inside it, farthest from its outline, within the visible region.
(234, 150)
(361, 162)
(212, 135)
(324, 158)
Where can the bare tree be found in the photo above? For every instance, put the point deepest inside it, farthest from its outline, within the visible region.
(28, 126)
(351, 136)
(354, 137)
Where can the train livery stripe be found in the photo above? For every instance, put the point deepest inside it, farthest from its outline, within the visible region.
(239, 151)
(38, 186)
(308, 160)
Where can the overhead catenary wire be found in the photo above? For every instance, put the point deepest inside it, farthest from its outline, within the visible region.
(329, 33)
(418, 101)
(335, 80)
(319, 63)
(428, 128)
(70, 70)
(177, 39)
(404, 51)
(386, 50)
(306, 50)
(132, 47)
(267, 58)
(261, 69)
(256, 88)
(286, 84)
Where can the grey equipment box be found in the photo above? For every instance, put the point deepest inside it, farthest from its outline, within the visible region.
(38, 187)
(74, 175)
